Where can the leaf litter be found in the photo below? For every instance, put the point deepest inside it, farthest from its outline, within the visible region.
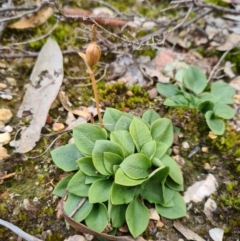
(46, 80)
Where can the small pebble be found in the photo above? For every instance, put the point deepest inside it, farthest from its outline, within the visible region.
(129, 93)
(207, 166)
(5, 115)
(176, 150)
(6, 97)
(58, 126)
(205, 149)
(7, 129)
(185, 145)
(3, 66)
(5, 138)
(11, 81)
(152, 93)
(3, 86)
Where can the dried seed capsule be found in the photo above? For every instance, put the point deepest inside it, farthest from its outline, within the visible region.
(93, 54)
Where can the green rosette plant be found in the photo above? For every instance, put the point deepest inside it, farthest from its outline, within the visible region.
(120, 171)
(192, 90)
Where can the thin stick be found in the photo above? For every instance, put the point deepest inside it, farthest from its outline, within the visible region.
(94, 86)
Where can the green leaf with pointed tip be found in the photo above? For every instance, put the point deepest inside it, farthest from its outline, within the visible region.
(110, 160)
(149, 149)
(100, 191)
(173, 185)
(61, 187)
(223, 111)
(162, 131)
(174, 212)
(156, 162)
(205, 106)
(136, 166)
(86, 166)
(121, 194)
(216, 125)
(110, 118)
(97, 218)
(137, 211)
(174, 170)
(160, 174)
(161, 149)
(72, 202)
(223, 92)
(85, 136)
(77, 185)
(152, 192)
(122, 179)
(123, 123)
(65, 157)
(140, 133)
(117, 215)
(124, 139)
(195, 80)
(150, 116)
(167, 90)
(100, 147)
(176, 100)
(167, 194)
(91, 179)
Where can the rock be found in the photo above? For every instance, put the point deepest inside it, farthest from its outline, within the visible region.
(11, 81)
(216, 234)
(58, 126)
(153, 214)
(152, 93)
(3, 153)
(5, 138)
(185, 145)
(207, 166)
(205, 149)
(5, 115)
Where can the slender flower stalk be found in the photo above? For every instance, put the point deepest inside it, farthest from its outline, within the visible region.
(93, 54)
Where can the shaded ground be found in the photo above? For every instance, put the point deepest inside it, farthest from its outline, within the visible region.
(36, 176)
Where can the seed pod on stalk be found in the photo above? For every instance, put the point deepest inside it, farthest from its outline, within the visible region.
(93, 51)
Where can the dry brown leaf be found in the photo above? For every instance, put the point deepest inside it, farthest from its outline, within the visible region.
(35, 20)
(86, 16)
(231, 42)
(187, 233)
(46, 79)
(83, 111)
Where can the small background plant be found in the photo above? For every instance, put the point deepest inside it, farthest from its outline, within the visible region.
(120, 171)
(191, 90)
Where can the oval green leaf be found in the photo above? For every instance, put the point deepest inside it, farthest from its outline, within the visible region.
(77, 185)
(97, 218)
(72, 202)
(117, 215)
(216, 125)
(110, 160)
(100, 147)
(124, 139)
(195, 80)
(150, 116)
(100, 191)
(65, 157)
(177, 211)
(61, 187)
(121, 194)
(122, 179)
(162, 131)
(140, 133)
(174, 170)
(85, 136)
(137, 217)
(136, 166)
(86, 166)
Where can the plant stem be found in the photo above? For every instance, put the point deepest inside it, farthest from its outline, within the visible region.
(94, 86)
